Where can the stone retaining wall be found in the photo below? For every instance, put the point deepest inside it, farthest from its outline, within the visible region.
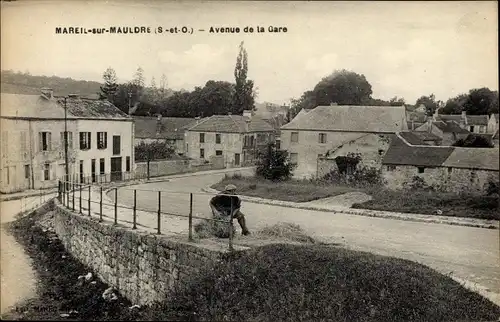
(143, 267)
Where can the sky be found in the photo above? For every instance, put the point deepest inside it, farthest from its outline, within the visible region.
(405, 49)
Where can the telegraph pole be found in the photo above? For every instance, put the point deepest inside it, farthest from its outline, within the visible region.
(66, 139)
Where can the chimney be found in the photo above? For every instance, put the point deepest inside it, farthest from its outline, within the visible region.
(48, 93)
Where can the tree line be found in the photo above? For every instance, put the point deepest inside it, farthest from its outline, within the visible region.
(215, 97)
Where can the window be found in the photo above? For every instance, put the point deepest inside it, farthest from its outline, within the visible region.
(294, 137)
(92, 165)
(69, 138)
(278, 144)
(102, 140)
(127, 164)
(202, 137)
(82, 177)
(45, 141)
(252, 142)
(85, 140)
(421, 169)
(391, 167)
(202, 153)
(294, 158)
(101, 165)
(471, 128)
(116, 145)
(450, 170)
(217, 138)
(26, 171)
(322, 138)
(46, 171)
(218, 152)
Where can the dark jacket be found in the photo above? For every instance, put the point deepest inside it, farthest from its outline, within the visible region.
(223, 202)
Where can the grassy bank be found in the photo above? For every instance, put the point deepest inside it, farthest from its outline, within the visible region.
(415, 201)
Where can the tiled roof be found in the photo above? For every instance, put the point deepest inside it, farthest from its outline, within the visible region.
(449, 127)
(36, 106)
(414, 125)
(474, 158)
(426, 136)
(166, 128)
(373, 119)
(411, 138)
(232, 124)
(400, 153)
(477, 119)
(449, 117)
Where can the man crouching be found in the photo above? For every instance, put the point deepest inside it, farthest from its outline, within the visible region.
(222, 204)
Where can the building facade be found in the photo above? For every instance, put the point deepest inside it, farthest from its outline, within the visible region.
(99, 140)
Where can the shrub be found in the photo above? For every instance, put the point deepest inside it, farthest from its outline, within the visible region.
(474, 141)
(417, 183)
(153, 151)
(361, 176)
(273, 164)
(492, 188)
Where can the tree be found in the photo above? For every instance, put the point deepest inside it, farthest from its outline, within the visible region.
(395, 101)
(306, 101)
(139, 78)
(474, 141)
(479, 101)
(156, 150)
(273, 164)
(454, 105)
(243, 98)
(344, 88)
(110, 87)
(430, 103)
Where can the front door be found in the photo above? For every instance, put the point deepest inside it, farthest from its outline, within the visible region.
(236, 159)
(116, 169)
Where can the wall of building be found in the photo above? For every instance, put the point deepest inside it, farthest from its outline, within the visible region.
(168, 167)
(492, 124)
(231, 144)
(441, 178)
(308, 148)
(144, 268)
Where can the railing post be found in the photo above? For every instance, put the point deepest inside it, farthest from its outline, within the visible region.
(231, 226)
(80, 197)
(190, 216)
(89, 201)
(100, 207)
(159, 214)
(59, 190)
(134, 226)
(73, 192)
(116, 206)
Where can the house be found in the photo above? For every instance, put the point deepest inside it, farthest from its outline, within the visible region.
(417, 117)
(238, 138)
(33, 150)
(335, 130)
(448, 131)
(170, 130)
(493, 123)
(472, 123)
(445, 168)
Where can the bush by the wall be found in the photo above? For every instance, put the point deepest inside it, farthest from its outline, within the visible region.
(273, 164)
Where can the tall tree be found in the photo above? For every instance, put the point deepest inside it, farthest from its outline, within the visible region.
(397, 101)
(479, 101)
(243, 95)
(139, 79)
(108, 90)
(344, 88)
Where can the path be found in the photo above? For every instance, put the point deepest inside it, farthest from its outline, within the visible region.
(468, 253)
(18, 279)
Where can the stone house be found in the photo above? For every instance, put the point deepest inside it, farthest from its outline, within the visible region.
(472, 123)
(170, 130)
(448, 131)
(99, 136)
(332, 131)
(238, 138)
(445, 168)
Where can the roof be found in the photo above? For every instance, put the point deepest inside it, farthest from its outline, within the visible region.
(411, 138)
(449, 127)
(400, 153)
(477, 119)
(232, 124)
(473, 158)
(449, 117)
(415, 116)
(349, 118)
(38, 107)
(426, 136)
(167, 128)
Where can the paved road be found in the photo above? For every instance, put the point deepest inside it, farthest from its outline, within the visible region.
(468, 253)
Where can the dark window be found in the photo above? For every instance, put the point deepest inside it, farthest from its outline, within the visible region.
(278, 144)
(252, 141)
(217, 138)
(46, 171)
(322, 138)
(26, 171)
(102, 140)
(45, 141)
(127, 164)
(421, 169)
(237, 159)
(450, 170)
(93, 170)
(101, 166)
(202, 153)
(82, 177)
(218, 152)
(85, 140)
(116, 145)
(391, 167)
(202, 137)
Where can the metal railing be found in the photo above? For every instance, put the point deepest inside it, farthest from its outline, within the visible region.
(92, 200)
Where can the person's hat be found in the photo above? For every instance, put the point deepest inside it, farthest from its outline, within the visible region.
(230, 187)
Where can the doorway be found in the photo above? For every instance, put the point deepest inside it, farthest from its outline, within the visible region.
(116, 169)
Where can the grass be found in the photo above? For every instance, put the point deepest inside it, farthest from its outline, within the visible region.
(415, 201)
(279, 282)
(292, 190)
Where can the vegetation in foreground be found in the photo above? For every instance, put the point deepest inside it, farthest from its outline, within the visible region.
(415, 200)
(277, 282)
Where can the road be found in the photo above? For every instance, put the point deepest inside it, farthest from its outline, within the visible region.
(469, 253)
